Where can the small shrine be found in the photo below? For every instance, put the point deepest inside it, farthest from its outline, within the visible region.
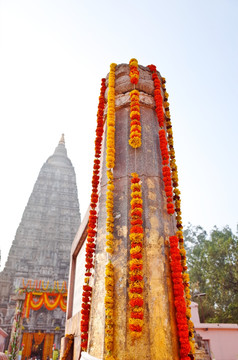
(32, 296)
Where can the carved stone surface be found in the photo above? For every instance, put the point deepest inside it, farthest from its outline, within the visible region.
(41, 248)
(159, 340)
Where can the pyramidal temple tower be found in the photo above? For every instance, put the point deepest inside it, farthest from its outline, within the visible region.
(39, 255)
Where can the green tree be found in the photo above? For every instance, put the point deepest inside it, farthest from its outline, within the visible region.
(213, 269)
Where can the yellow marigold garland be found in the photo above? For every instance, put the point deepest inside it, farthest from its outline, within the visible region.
(110, 163)
(135, 130)
(136, 263)
(176, 197)
(110, 158)
(109, 302)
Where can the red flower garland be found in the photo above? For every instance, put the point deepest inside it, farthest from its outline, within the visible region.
(163, 141)
(92, 223)
(179, 300)
(157, 96)
(136, 263)
(185, 275)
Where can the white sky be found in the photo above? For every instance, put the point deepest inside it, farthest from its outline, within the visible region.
(53, 54)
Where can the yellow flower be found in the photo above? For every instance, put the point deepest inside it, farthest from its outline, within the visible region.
(136, 262)
(136, 201)
(137, 284)
(135, 296)
(136, 322)
(135, 250)
(192, 346)
(136, 237)
(137, 309)
(109, 312)
(188, 313)
(133, 62)
(113, 66)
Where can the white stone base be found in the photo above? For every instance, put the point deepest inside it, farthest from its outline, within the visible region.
(86, 356)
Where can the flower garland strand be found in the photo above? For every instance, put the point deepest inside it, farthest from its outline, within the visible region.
(134, 73)
(135, 130)
(163, 140)
(136, 263)
(110, 158)
(92, 223)
(110, 163)
(177, 201)
(68, 347)
(179, 300)
(109, 302)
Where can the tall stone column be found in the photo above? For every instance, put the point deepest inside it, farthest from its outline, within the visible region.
(159, 338)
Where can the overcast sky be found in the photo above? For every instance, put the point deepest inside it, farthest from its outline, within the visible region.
(53, 54)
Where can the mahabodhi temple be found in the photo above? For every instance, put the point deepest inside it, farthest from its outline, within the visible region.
(128, 288)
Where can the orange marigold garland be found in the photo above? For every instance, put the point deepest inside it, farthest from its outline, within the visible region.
(176, 196)
(179, 300)
(110, 162)
(134, 73)
(163, 140)
(92, 223)
(135, 130)
(136, 263)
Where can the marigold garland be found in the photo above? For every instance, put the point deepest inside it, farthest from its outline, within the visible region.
(179, 300)
(134, 73)
(110, 158)
(157, 96)
(135, 130)
(163, 141)
(35, 300)
(109, 320)
(68, 347)
(110, 163)
(92, 223)
(176, 197)
(136, 263)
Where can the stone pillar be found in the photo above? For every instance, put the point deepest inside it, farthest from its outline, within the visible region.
(159, 338)
(14, 344)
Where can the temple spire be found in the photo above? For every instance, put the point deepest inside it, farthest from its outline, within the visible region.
(62, 140)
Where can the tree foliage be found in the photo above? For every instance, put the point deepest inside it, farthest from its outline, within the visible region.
(213, 269)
